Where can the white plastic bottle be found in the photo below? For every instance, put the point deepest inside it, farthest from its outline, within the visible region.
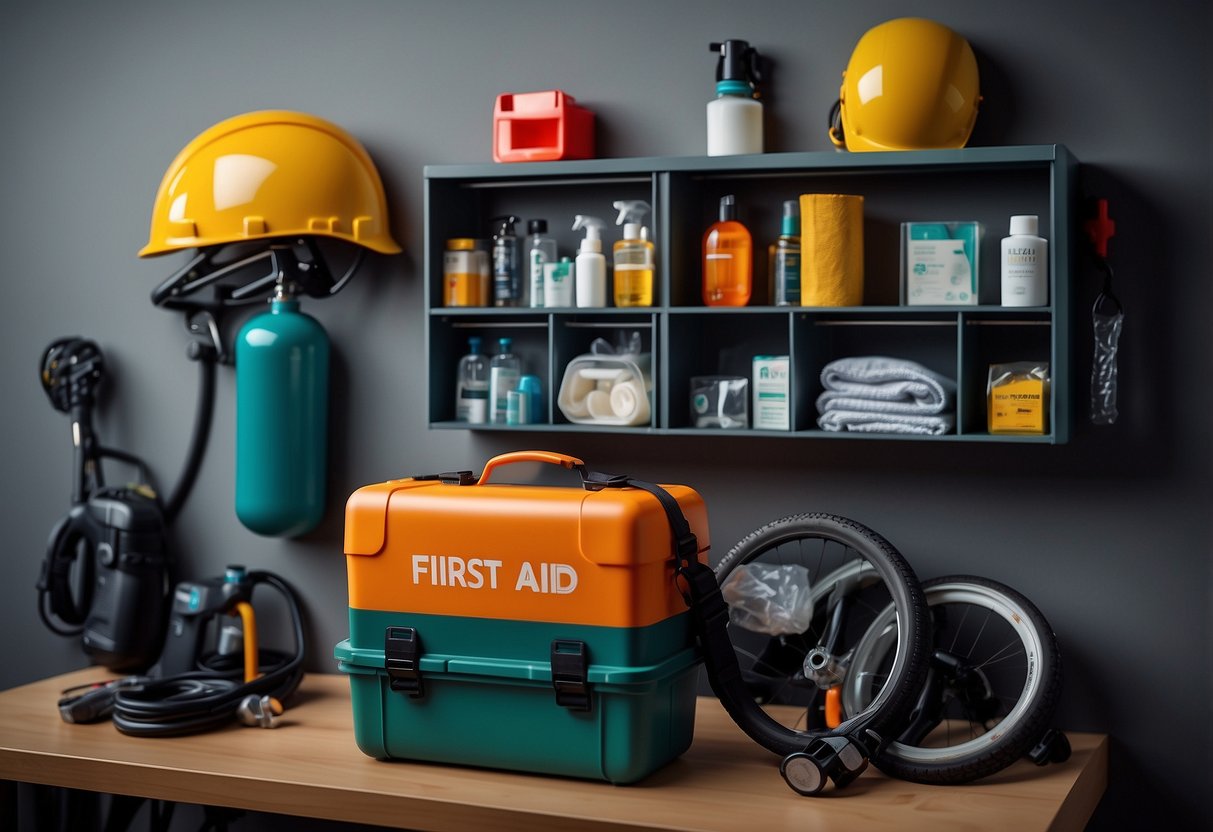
(591, 263)
(504, 372)
(541, 249)
(472, 386)
(735, 117)
(1025, 264)
(558, 281)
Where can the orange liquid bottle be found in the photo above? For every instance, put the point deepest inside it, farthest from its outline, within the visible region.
(727, 259)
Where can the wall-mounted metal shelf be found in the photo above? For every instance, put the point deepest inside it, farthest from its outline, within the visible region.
(687, 339)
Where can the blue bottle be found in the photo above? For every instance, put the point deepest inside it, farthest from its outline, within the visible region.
(282, 364)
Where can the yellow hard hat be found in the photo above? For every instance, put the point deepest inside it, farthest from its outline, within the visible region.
(911, 84)
(271, 173)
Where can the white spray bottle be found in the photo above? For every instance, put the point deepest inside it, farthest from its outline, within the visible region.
(590, 264)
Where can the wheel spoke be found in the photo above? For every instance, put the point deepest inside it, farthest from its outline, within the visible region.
(977, 638)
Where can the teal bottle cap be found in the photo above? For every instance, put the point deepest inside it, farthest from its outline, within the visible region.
(734, 88)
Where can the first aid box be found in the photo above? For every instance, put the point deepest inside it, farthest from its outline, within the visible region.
(518, 626)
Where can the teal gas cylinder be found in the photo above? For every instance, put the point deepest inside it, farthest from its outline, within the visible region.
(282, 365)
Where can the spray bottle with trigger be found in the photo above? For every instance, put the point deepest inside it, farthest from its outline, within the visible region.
(735, 116)
(591, 264)
(282, 364)
(633, 256)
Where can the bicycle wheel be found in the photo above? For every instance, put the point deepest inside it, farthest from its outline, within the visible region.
(852, 575)
(991, 691)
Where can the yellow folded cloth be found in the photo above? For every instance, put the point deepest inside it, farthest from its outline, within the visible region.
(831, 250)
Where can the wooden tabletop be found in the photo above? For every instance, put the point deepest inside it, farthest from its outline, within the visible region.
(310, 766)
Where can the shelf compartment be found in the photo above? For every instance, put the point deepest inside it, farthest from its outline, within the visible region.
(926, 338)
(466, 208)
(986, 340)
(716, 343)
(916, 195)
(573, 336)
(449, 343)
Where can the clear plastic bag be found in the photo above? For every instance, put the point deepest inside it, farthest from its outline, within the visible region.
(1108, 323)
(775, 600)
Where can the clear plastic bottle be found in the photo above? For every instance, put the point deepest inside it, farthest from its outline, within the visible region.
(504, 372)
(472, 386)
(541, 249)
(727, 259)
(784, 258)
(633, 256)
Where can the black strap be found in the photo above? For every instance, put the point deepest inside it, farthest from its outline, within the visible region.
(709, 621)
(709, 612)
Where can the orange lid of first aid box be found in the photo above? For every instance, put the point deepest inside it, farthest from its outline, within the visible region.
(519, 552)
(541, 127)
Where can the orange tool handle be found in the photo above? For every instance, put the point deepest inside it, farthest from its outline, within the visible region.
(249, 621)
(563, 460)
(834, 707)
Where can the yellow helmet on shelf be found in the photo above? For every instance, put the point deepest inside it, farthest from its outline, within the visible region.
(267, 174)
(911, 84)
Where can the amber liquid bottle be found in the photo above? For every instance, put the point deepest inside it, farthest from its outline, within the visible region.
(727, 259)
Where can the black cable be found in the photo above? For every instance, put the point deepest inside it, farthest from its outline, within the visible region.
(145, 472)
(345, 278)
(60, 610)
(201, 700)
(198, 441)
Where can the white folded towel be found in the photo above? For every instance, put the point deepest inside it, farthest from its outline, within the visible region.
(866, 421)
(884, 385)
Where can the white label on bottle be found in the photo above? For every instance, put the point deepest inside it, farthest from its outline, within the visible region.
(537, 261)
(501, 381)
(472, 405)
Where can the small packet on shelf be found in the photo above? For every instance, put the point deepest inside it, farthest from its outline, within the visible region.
(1018, 398)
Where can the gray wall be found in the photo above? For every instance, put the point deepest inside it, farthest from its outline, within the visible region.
(1110, 534)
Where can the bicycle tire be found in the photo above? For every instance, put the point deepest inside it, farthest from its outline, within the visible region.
(885, 713)
(1025, 720)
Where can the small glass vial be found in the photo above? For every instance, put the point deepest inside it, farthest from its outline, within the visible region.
(784, 258)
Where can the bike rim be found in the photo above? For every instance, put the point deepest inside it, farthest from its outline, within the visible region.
(856, 568)
(1020, 640)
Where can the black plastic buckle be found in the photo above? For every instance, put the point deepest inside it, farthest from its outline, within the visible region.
(687, 548)
(448, 478)
(570, 662)
(597, 481)
(402, 659)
